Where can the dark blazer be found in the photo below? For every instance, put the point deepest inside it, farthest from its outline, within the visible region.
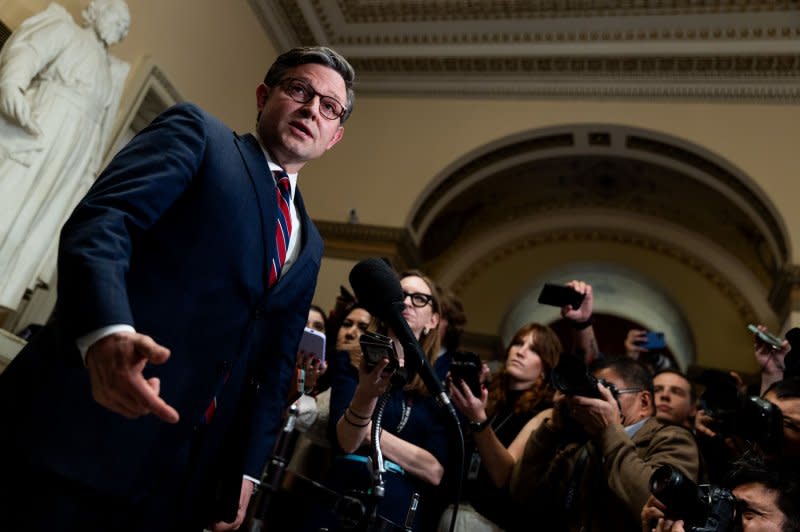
(173, 238)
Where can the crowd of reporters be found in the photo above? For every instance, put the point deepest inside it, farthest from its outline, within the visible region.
(558, 436)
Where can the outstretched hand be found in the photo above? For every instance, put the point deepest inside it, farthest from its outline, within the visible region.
(115, 365)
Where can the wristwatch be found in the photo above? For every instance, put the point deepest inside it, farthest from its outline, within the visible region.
(478, 426)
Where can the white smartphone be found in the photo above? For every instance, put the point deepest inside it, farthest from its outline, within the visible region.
(313, 342)
(766, 336)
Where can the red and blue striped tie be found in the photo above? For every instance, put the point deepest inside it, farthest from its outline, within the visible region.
(283, 228)
(283, 232)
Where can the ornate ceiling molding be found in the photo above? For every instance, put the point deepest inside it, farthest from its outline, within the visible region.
(696, 49)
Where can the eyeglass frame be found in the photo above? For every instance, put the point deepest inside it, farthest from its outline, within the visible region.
(621, 391)
(285, 83)
(411, 295)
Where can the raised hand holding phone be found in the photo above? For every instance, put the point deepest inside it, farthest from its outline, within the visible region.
(770, 351)
(310, 360)
(764, 336)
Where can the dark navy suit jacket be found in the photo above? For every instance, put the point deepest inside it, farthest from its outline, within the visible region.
(173, 238)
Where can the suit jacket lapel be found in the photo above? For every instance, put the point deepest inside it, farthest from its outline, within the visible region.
(258, 173)
(310, 239)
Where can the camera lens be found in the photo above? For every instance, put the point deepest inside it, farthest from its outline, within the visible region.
(664, 481)
(679, 494)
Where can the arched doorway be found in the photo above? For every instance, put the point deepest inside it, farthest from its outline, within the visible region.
(637, 202)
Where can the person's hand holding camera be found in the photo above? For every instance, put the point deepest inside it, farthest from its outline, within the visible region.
(653, 519)
(594, 415)
(703, 423)
(471, 407)
(373, 383)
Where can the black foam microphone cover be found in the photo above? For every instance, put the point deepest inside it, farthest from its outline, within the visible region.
(377, 286)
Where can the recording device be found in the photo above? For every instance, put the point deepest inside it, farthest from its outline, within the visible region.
(377, 287)
(558, 295)
(766, 336)
(703, 508)
(654, 341)
(466, 367)
(313, 343)
(572, 377)
(736, 414)
(375, 347)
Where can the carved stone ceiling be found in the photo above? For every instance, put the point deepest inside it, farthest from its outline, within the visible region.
(729, 49)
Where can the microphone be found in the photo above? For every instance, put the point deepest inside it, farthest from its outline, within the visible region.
(377, 288)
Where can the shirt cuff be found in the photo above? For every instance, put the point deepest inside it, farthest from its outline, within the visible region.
(88, 340)
(251, 479)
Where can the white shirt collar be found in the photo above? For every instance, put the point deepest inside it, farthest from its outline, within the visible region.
(274, 166)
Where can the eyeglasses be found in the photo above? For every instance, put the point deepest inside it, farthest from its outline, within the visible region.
(302, 92)
(418, 299)
(628, 390)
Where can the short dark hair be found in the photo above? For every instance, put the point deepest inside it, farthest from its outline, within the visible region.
(779, 475)
(320, 55)
(692, 389)
(632, 373)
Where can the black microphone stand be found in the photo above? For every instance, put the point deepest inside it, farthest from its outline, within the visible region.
(272, 478)
(376, 464)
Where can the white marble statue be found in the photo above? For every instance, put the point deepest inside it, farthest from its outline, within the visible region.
(59, 93)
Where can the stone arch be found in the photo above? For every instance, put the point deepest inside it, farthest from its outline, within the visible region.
(639, 190)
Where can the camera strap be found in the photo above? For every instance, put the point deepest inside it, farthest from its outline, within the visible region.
(575, 479)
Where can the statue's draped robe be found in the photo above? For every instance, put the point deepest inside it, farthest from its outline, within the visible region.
(73, 87)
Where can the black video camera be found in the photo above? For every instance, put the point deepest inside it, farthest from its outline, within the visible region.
(734, 413)
(703, 508)
(572, 377)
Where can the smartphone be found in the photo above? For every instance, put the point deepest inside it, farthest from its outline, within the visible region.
(375, 347)
(559, 295)
(466, 367)
(766, 336)
(654, 341)
(313, 343)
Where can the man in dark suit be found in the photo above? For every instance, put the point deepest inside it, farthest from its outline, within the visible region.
(185, 278)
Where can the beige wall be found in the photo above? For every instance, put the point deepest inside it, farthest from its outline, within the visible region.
(215, 54)
(394, 147)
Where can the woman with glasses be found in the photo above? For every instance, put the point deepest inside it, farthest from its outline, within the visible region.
(414, 436)
(499, 422)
